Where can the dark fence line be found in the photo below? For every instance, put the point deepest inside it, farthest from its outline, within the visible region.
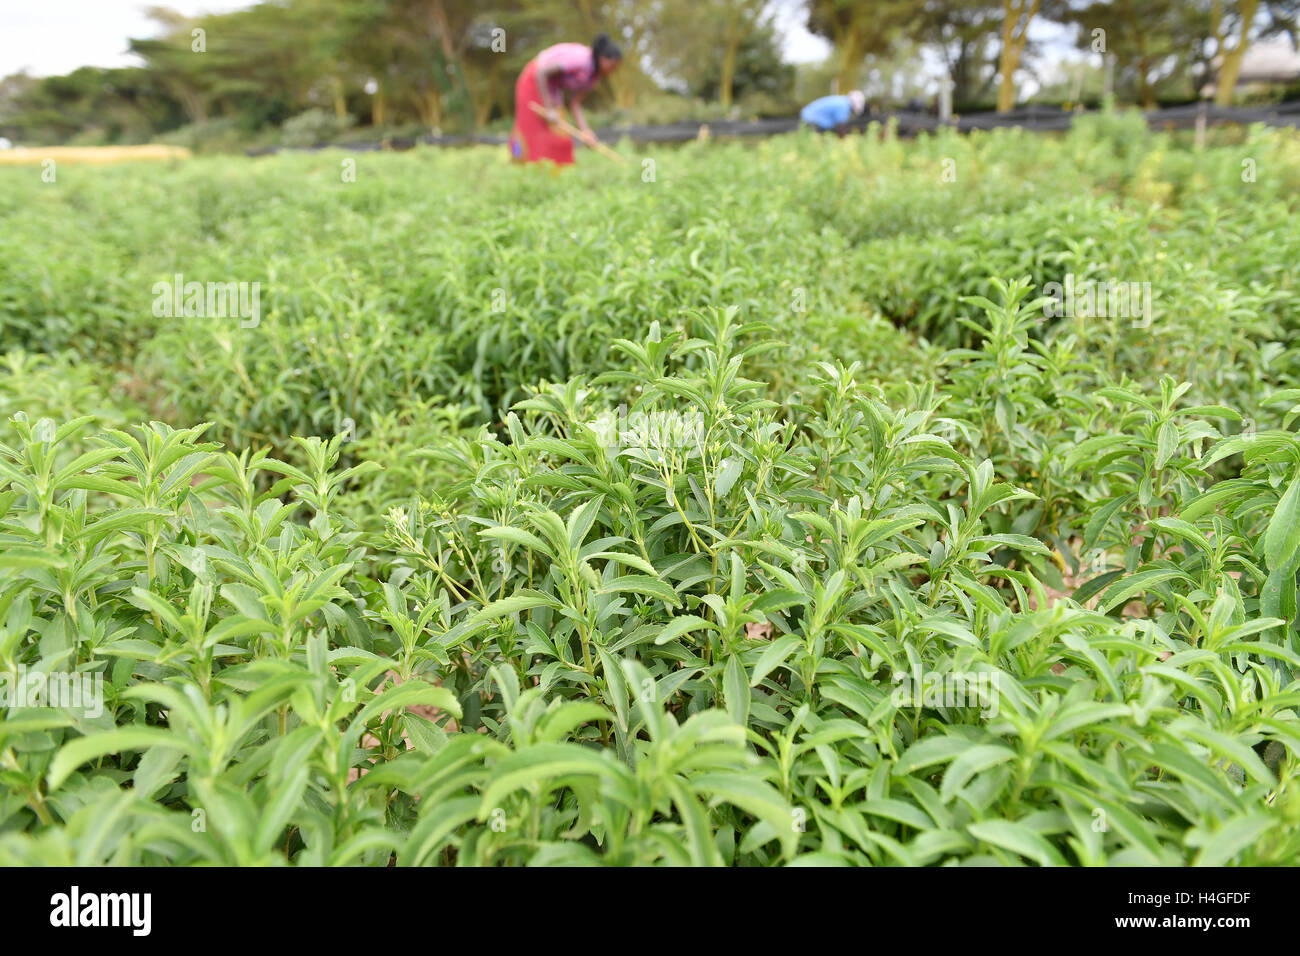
(1045, 119)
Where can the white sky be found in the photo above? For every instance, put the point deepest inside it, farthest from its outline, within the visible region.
(801, 46)
(50, 37)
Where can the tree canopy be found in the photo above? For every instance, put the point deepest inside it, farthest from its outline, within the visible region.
(452, 64)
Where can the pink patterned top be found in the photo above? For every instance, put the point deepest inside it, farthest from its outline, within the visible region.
(574, 65)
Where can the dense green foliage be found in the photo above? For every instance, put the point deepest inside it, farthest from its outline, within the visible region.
(604, 517)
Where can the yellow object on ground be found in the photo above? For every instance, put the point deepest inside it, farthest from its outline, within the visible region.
(24, 155)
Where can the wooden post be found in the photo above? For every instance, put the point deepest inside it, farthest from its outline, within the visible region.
(945, 99)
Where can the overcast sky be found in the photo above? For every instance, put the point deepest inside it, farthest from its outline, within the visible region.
(49, 37)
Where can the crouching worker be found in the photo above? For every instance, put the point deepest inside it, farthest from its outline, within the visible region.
(566, 68)
(834, 112)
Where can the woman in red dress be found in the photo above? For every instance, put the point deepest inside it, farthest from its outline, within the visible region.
(571, 68)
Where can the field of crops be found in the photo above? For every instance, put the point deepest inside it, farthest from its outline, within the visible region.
(748, 504)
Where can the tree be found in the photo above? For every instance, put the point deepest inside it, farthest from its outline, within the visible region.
(1236, 25)
(857, 28)
(963, 31)
(1142, 35)
(434, 62)
(1221, 31)
(757, 68)
(1016, 17)
(172, 59)
(701, 42)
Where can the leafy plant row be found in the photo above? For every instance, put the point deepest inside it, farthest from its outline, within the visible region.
(702, 635)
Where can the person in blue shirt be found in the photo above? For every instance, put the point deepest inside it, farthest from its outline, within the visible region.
(834, 112)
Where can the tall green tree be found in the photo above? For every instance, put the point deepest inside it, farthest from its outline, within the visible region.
(1017, 15)
(701, 42)
(1144, 36)
(964, 33)
(1233, 26)
(857, 28)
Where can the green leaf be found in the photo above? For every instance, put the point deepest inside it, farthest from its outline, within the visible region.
(1139, 583)
(682, 624)
(400, 696)
(970, 762)
(736, 690)
(1222, 846)
(1017, 838)
(931, 750)
(644, 585)
(773, 656)
(754, 797)
(522, 600)
(518, 536)
(85, 749)
(1166, 444)
(1282, 538)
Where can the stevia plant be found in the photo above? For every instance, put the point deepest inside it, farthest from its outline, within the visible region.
(633, 653)
(696, 552)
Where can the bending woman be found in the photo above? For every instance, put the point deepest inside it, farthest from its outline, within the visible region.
(570, 68)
